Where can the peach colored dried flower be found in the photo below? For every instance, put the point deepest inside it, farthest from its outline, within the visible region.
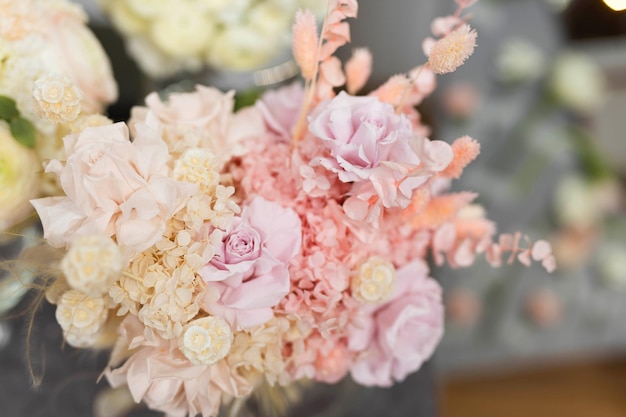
(465, 150)
(358, 70)
(451, 51)
(305, 43)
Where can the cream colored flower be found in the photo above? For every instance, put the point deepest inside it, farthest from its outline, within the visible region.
(207, 340)
(81, 317)
(241, 48)
(93, 264)
(198, 166)
(57, 98)
(519, 61)
(577, 82)
(19, 179)
(182, 31)
(374, 281)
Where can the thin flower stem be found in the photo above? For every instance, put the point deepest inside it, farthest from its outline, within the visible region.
(132, 276)
(310, 85)
(407, 90)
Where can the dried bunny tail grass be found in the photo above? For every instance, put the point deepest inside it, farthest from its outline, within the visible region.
(465, 150)
(358, 70)
(451, 51)
(305, 43)
(36, 269)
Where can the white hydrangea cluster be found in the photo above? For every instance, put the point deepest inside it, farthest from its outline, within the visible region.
(57, 98)
(93, 264)
(374, 280)
(160, 286)
(206, 340)
(168, 36)
(81, 317)
(198, 166)
(258, 351)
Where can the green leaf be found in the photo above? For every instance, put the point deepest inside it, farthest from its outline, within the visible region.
(23, 131)
(8, 108)
(247, 98)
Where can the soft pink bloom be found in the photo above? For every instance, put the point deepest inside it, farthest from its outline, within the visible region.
(158, 374)
(461, 100)
(396, 338)
(280, 109)
(250, 268)
(112, 186)
(203, 118)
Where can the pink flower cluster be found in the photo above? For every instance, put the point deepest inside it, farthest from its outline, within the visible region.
(296, 246)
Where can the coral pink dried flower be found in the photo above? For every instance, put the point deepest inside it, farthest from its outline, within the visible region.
(305, 43)
(358, 70)
(451, 51)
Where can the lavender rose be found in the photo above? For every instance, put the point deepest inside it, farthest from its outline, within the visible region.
(250, 267)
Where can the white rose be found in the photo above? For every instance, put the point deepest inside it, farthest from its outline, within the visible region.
(577, 82)
(19, 179)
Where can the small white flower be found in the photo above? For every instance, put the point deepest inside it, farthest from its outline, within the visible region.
(81, 317)
(207, 340)
(198, 166)
(57, 98)
(93, 264)
(374, 281)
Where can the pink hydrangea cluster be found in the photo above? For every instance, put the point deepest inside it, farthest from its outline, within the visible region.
(290, 239)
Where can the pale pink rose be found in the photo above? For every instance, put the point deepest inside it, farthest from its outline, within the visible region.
(360, 133)
(203, 118)
(280, 109)
(158, 374)
(397, 337)
(250, 268)
(375, 148)
(74, 50)
(112, 186)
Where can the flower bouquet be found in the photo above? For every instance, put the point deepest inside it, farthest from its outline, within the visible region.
(220, 250)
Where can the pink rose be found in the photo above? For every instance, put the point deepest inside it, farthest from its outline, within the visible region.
(249, 269)
(397, 337)
(374, 148)
(360, 133)
(112, 186)
(280, 109)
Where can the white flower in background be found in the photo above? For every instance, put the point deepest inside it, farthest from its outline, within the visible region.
(81, 317)
(577, 82)
(19, 179)
(519, 61)
(575, 203)
(57, 98)
(168, 36)
(374, 281)
(93, 264)
(611, 261)
(207, 340)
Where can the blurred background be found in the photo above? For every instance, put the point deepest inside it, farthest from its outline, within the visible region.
(545, 95)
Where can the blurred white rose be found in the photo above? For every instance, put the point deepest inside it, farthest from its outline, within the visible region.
(575, 204)
(519, 61)
(19, 179)
(611, 261)
(577, 82)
